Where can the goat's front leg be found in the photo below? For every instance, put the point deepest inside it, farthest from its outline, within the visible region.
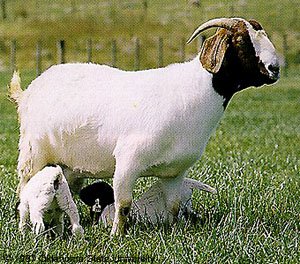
(129, 165)
(36, 218)
(67, 204)
(123, 184)
(24, 212)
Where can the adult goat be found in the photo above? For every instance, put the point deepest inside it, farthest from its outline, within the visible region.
(113, 123)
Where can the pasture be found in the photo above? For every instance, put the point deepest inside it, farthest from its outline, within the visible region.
(253, 161)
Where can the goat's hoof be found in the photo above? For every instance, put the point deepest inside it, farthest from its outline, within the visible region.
(117, 231)
(38, 227)
(22, 228)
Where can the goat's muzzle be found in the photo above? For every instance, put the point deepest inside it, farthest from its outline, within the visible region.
(270, 74)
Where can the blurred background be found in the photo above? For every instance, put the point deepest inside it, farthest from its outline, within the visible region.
(131, 34)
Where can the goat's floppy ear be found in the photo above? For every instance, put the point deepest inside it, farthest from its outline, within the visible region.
(213, 50)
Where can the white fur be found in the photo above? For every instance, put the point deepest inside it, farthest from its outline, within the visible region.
(264, 48)
(94, 114)
(152, 205)
(45, 198)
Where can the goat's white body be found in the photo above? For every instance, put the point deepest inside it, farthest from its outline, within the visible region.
(85, 116)
(112, 123)
(45, 198)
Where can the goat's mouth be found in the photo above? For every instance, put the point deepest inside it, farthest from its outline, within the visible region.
(270, 80)
(274, 72)
(270, 74)
(273, 77)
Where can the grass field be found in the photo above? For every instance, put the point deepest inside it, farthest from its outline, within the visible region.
(253, 161)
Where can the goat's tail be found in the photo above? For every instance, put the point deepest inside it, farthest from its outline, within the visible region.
(14, 90)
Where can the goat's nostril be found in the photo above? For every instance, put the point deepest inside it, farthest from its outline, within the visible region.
(273, 68)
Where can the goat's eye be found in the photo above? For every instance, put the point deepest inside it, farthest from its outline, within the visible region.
(240, 39)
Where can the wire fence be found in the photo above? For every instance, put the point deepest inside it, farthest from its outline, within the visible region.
(111, 53)
(137, 53)
(114, 58)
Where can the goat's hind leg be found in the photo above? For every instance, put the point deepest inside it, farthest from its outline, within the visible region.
(28, 163)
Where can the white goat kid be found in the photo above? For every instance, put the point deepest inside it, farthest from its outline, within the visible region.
(113, 123)
(45, 198)
(151, 207)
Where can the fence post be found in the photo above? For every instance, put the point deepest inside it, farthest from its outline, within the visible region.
(145, 5)
(13, 59)
(160, 52)
(73, 6)
(89, 50)
(114, 52)
(137, 54)
(182, 50)
(61, 50)
(285, 49)
(38, 58)
(3, 9)
(232, 10)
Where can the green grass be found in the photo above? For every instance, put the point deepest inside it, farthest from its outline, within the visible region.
(253, 158)
(253, 161)
(49, 21)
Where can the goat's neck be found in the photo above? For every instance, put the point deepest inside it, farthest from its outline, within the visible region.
(235, 75)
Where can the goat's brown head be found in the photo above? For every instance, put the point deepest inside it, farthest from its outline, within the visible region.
(239, 55)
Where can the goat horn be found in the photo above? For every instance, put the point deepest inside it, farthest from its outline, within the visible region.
(227, 23)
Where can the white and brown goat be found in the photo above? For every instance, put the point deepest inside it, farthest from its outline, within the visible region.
(123, 124)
